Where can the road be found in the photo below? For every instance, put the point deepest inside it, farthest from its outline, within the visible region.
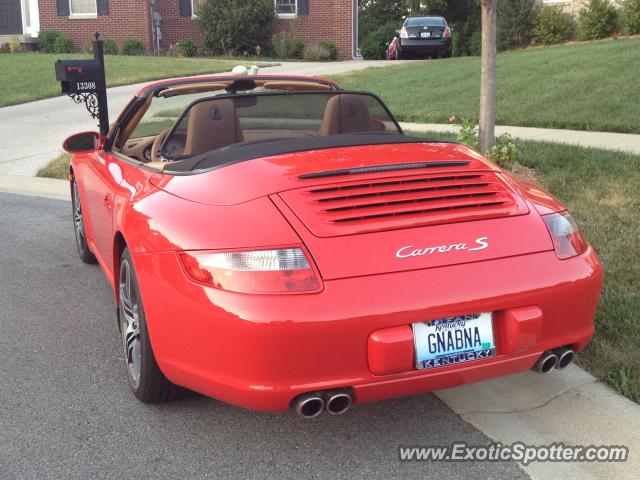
(31, 134)
(66, 411)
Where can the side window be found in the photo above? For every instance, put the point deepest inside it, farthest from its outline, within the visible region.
(163, 114)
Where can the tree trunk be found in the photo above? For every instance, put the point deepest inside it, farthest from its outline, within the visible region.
(488, 80)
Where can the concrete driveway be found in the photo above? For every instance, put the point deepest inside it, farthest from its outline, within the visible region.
(31, 133)
(66, 411)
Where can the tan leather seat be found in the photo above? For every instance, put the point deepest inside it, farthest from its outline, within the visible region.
(348, 113)
(212, 124)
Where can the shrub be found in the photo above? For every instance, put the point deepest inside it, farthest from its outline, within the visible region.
(14, 45)
(63, 45)
(109, 46)
(332, 47)
(235, 26)
(552, 26)
(47, 40)
(598, 19)
(504, 152)
(186, 48)
(374, 43)
(516, 19)
(132, 46)
(466, 38)
(316, 53)
(287, 45)
(468, 133)
(631, 16)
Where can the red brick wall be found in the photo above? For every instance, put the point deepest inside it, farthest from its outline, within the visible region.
(327, 20)
(174, 27)
(126, 19)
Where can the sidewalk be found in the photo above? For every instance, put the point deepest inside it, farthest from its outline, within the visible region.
(605, 140)
(570, 407)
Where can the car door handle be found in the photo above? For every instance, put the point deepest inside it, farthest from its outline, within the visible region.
(107, 200)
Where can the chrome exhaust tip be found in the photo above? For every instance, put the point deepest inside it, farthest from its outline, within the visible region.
(338, 403)
(565, 357)
(546, 362)
(309, 405)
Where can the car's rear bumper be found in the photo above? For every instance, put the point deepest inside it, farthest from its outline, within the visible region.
(408, 45)
(260, 352)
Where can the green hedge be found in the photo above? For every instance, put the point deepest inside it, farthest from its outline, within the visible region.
(598, 19)
(552, 26)
(133, 46)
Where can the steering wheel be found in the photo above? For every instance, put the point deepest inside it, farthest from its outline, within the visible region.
(157, 143)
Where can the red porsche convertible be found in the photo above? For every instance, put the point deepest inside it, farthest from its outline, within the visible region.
(278, 242)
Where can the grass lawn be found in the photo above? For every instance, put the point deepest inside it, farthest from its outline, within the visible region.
(31, 76)
(601, 189)
(592, 86)
(58, 168)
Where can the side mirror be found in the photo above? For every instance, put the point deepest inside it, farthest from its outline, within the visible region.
(82, 142)
(397, 33)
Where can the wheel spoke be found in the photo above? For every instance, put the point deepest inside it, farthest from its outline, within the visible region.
(129, 323)
(77, 214)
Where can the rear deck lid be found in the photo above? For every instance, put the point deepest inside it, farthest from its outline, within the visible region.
(382, 225)
(369, 205)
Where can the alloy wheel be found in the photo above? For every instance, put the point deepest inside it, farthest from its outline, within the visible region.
(130, 323)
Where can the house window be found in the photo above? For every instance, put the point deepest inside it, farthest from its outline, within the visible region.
(195, 7)
(286, 8)
(83, 8)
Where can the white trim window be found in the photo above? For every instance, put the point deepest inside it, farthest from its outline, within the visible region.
(83, 8)
(286, 8)
(195, 6)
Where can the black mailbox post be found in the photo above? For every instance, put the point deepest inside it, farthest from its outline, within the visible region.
(84, 81)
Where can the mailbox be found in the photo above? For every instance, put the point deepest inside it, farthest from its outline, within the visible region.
(84, 82)
(78, 76)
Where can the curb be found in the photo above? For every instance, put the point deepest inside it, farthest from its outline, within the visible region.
(570, 407)
(35, 187)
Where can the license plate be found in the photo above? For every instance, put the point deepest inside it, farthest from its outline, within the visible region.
(452, 340)
(425, 34)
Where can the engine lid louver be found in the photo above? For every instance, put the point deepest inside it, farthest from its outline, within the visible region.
(349, 208)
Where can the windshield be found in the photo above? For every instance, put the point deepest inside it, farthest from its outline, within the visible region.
(425, 22)
(220, 121)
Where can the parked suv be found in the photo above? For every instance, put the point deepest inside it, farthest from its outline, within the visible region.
(421, 37)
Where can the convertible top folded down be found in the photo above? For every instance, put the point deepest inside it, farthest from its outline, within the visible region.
(241, 152)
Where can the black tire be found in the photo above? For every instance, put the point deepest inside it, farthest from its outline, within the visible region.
(399, 54)
(146, 380)
(448, 54)
(78, 226)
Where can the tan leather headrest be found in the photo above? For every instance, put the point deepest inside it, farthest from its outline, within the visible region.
(347, 113)
(212, 124)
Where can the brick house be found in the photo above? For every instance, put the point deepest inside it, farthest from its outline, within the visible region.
(161, 23)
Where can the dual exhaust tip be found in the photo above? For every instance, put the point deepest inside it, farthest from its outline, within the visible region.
(336, 402)
(559, 359)
(311, 405)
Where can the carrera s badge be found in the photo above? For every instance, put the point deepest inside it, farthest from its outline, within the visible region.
(410, 251)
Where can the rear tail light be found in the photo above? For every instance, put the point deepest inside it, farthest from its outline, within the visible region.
(286, 270)
(568, 240)
(403, 33)
(447, 33)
